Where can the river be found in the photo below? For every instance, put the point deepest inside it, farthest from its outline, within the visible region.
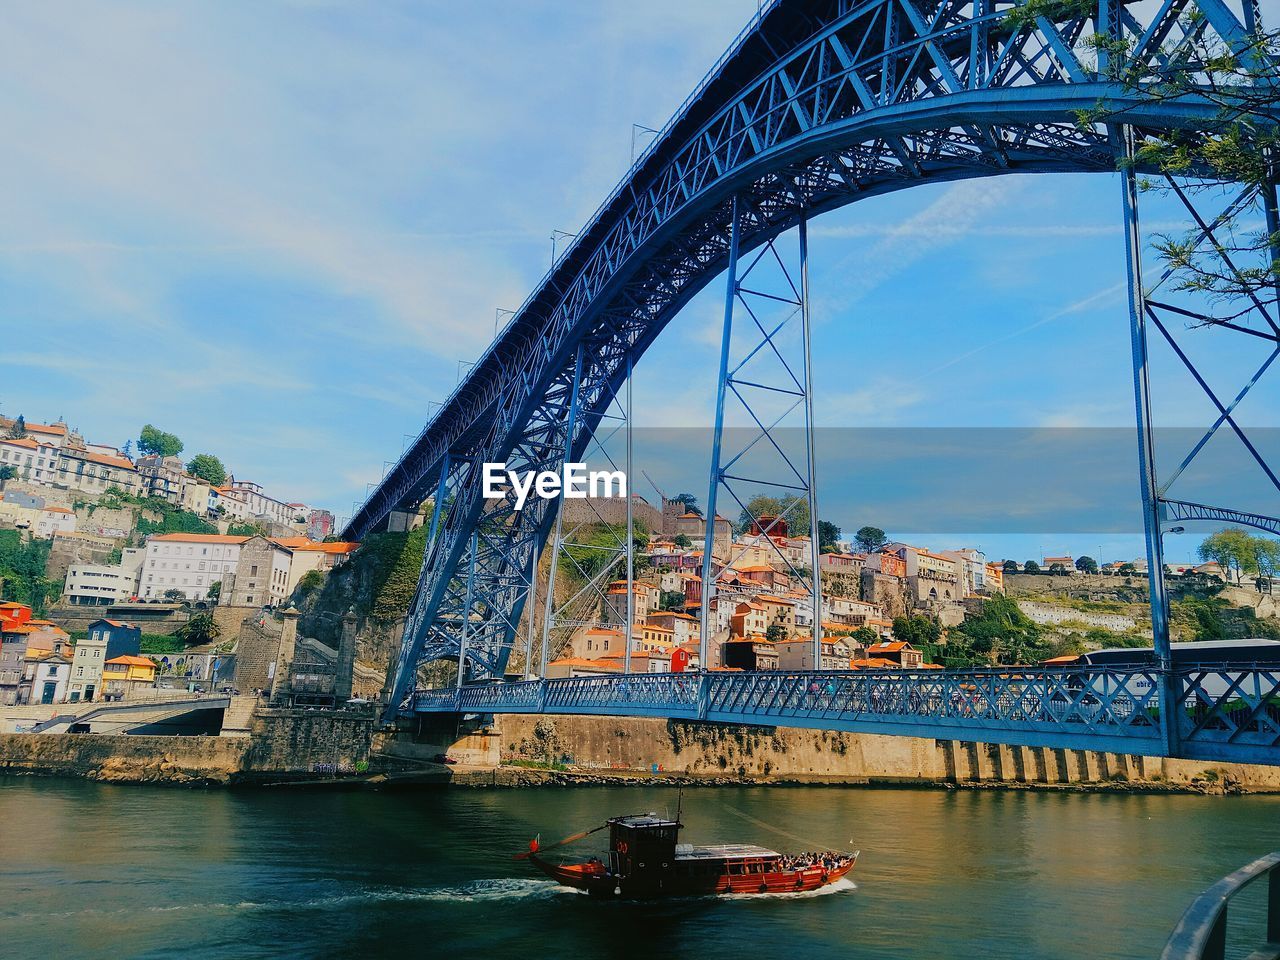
(98, 871)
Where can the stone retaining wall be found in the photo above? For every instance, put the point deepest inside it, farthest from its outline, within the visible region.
(792, 754)
(286, 744)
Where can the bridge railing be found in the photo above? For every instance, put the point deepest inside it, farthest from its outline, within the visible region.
(1101, 699)
(1237, 707)
(1201, 934)
(1224, 714)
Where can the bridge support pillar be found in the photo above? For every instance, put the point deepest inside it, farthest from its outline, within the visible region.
(401, 521)
(765, 390)
(980, 761)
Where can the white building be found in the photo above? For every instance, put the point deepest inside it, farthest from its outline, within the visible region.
(45, 679)
(92, 584)
(245, 500)
(973, 563)
(55, 520)
(95, 472)
(33, 458)
(189, 562)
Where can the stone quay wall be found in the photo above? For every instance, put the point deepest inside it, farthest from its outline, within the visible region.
(711, 751)
(285, 745)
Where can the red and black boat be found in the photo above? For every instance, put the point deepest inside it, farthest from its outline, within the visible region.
(646, 860)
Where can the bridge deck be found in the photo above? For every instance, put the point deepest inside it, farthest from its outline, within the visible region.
(1228, 715)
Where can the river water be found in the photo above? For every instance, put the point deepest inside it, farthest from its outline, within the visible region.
(89, 870)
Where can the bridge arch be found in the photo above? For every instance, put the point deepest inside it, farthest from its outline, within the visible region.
(818, 105)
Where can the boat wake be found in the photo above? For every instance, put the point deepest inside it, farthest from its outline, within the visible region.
(843, 885)
(487, 891)
(477, 891)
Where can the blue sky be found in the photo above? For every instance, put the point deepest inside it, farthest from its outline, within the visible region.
(276, 229)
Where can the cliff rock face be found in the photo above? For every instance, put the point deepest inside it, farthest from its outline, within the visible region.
(377, 584)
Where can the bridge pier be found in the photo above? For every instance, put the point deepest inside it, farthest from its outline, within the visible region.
(402, 521)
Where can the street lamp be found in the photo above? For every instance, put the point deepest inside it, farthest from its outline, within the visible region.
(642, 130)
(556, 235)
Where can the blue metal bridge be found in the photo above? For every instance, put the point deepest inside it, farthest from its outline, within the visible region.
(818, 104)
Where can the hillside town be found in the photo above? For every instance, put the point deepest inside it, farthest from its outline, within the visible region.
(128, 577)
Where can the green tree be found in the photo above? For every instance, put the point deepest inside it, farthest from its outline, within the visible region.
(18, 429)
(864, 636)
(1127, 570)
(1236, 146)
(311, 581)
(671, 600)
(776, 633)
(828, 534)
(1031, 567)
(682, 541)
(154, 441)
(215, 591)
(1232, 549)
(174, 595)
(870, 539)
(1001, 632)
(794, 511)
(254, 528)
(1010, 566)
(200, 629)
(22, 571)
(919, 631)
(6, 473)
(1057, 570)
(1087, 565)
(208, 468)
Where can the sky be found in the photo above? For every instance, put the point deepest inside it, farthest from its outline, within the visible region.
(280, 230)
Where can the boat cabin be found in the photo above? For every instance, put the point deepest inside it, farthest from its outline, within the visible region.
(640, 844)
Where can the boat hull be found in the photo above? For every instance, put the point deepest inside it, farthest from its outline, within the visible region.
(596, 881)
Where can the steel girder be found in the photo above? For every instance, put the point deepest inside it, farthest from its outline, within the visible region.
(1226, 715)
(818, 104)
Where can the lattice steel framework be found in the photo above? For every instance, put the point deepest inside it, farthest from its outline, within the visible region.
(593, 563)
(1221, 715)
(818, 103)
(766, 375)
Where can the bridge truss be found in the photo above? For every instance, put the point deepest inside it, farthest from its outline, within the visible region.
(819, 103)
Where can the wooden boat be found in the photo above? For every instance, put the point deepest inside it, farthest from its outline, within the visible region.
(646, 860)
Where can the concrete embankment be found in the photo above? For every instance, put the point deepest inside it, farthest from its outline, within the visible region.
(595, 747)
(312, 747)
(284, 745)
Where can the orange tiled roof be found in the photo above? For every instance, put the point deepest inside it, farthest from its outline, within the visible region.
(57, 510)
(338, 546)
(583, 662)
(197, 538)
(104, 458)
(22, 442)
(57, 429)
(128, 660)
(888, 646)
(776, 600)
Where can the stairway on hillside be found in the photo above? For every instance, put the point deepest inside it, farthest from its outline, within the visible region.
(237, 720)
